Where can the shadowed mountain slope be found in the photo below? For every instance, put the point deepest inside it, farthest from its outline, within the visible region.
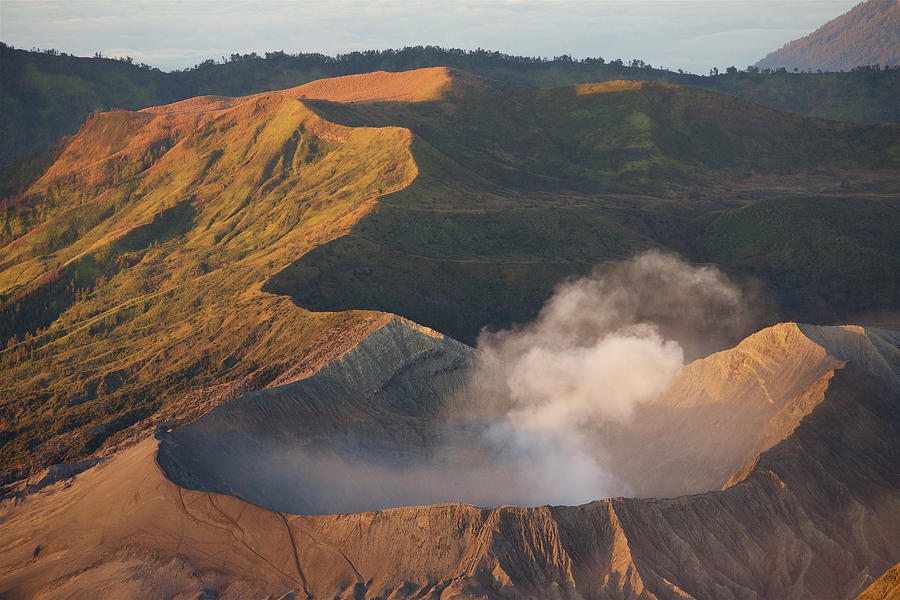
(828, 255)
(868, 34)
(619, 167)
(811, 517)
(167, 257)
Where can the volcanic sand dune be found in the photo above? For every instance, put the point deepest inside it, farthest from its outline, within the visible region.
(887, 587)
(812, 517)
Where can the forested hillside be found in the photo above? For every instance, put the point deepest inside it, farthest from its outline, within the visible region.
(47, 95)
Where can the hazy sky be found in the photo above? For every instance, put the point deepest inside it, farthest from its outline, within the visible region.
(693, 35)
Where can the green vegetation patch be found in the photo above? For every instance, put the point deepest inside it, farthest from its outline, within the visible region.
(840, 255)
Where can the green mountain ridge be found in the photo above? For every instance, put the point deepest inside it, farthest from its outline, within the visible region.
(589, 174)
(46, 95)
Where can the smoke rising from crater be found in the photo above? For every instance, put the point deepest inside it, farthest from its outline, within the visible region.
(527, 428)
(602, 345)
(532, 414)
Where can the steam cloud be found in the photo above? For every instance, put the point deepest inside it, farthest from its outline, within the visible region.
(528, 427)
(594, 353)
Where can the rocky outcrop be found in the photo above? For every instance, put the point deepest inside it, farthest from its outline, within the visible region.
(725, 409)
(810, 520)
(378, 401)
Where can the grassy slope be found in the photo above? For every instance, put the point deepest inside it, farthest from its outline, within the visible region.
(823, 256)
(134, 275)
(45, 97)
(866, 96)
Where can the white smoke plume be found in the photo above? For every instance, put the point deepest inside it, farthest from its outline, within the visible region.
(595, 352)
(531, 425)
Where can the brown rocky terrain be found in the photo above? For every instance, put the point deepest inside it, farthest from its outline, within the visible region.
(811, 516)
(886, 588)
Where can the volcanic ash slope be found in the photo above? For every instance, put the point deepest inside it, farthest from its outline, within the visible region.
(812, 516)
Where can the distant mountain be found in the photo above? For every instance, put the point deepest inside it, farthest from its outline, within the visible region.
(47, 95)
(868, 34)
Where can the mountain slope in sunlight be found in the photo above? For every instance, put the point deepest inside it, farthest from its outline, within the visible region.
(131, 268)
